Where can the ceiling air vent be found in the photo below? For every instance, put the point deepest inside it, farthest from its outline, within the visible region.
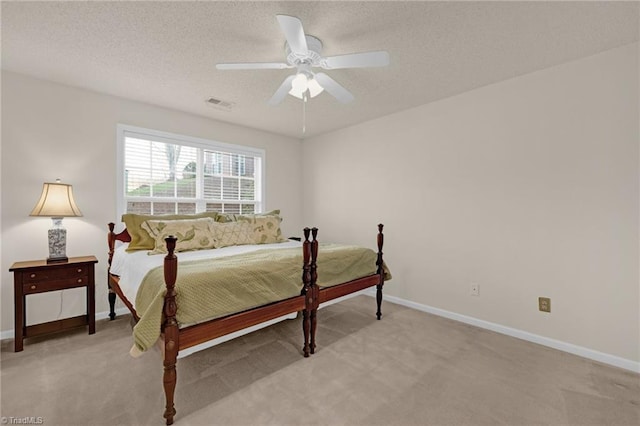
(220, 104)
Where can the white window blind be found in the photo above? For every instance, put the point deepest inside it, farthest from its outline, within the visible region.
(162, 173)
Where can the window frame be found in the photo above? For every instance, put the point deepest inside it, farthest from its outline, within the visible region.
(125, 130)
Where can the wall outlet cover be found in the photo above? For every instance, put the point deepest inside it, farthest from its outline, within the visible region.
(544, 304)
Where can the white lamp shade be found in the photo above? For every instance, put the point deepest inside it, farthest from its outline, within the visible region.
(56, 200)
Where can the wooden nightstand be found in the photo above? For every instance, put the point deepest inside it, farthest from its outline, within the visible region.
(37, 276)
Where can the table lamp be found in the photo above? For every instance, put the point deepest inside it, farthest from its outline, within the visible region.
(56, 202)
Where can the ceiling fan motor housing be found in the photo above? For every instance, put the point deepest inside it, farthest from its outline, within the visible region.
(311, 57)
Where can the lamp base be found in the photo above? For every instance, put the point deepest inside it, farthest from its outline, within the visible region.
(57, 242)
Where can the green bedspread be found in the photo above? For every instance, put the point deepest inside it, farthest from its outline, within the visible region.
(213, 288)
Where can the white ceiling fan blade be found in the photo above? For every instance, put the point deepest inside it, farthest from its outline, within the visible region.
(335, 89)
(357, 60)
(282, 91)
(254, 66)
(294, 33)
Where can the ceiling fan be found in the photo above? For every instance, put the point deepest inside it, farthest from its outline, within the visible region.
(303, 52)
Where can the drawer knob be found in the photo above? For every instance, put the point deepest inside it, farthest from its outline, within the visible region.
(79, 270)
(33, 287)
(79, 280)
(33, 275)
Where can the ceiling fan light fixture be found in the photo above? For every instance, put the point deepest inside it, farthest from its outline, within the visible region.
(301, 83)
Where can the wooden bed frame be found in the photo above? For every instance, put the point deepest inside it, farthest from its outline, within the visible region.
(176, 339)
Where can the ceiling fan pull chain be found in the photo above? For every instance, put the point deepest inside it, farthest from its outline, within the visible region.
(304, 112)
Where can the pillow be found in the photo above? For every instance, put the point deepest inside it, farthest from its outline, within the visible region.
(232, 217)
(140, 238)
(265, 229)
(192, 234)
(232, 234)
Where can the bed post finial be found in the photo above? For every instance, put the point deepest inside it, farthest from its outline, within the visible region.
(380, 270)
(306, 255)
(170, 328)
(111, 241)
(380, 243)
(314, 256)
(171, 244)
(306, 280)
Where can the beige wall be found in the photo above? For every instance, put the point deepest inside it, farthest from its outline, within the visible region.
(528, 188)
(51, 131)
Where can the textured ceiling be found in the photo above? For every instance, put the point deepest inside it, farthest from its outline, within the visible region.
(164, 53)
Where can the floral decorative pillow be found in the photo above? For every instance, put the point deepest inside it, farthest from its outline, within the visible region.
(192, 234)
(232, 234)
(265, 229)
(140, 238)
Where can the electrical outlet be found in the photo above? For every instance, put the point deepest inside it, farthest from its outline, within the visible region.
(474, 290)
(544, 304)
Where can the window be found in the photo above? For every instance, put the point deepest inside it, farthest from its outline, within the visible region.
(163, 173)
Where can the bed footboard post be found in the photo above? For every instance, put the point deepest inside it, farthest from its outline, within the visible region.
(111, 240)
(306, 291)
(380, 270)
(170, 329)
(315, 293)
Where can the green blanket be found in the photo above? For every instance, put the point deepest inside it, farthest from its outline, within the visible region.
(213, 288)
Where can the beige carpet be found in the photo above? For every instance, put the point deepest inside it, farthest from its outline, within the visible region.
(411, 368)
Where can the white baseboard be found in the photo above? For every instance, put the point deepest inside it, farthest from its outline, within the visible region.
(605, 358)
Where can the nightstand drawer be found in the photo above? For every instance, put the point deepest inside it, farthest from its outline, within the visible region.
(39, 287)
(55, 274)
